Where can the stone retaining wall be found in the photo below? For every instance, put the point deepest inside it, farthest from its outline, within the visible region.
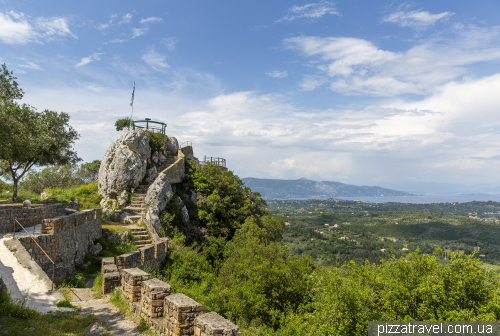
(167, 314)
(175, 172)
(65, 238)
(7, 216)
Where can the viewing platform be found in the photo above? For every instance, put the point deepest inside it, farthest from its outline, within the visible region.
(216, 161)
(150, 125)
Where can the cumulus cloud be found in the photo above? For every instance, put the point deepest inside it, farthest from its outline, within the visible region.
(277, 74)
(91, 58)
(310, 12)
(415, 18)
(155, 59)
(18, 28)
(151, 19)
(357, 66)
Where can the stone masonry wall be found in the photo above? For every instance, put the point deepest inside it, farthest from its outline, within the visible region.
(66, 238)
(7, 216)
(168, 314)
(175, 173)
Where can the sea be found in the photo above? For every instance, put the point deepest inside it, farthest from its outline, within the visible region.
(423, 199)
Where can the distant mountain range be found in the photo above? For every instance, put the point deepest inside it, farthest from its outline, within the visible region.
(304, 188)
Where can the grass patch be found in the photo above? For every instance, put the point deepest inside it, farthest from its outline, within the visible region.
(86, 195)
(67, 300)
(97, 287)
(18, 320)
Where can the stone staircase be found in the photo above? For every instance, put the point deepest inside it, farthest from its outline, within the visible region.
(137, 207)
(141, 236)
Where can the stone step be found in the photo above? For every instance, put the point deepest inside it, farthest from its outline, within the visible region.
(134, 217)
(137, 212)
(135, 202)
(133, 208)
(141, 236)
(142, 242)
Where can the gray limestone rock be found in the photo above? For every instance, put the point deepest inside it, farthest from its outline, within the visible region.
(185, 216)
(172, 145)
(151, 174)
(96, 249)
(158, 158)
(119, 237)
(3, 288)
(157, 197)
(194, 197)
(179, 200)
(124, 165)
(96, 329)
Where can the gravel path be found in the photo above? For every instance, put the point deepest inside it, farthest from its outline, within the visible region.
(104, 311)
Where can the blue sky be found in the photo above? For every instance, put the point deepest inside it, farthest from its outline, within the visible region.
(362, 92)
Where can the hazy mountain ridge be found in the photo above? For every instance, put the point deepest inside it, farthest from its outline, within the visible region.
(304, 188)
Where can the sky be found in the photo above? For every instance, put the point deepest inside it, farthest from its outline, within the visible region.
(383, 93)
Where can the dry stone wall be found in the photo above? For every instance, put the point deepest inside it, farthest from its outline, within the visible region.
(65, 238)
(7, 216)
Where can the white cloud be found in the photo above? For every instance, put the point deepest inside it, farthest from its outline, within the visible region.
(151, 19)
(309, 12)
(277, 74)
(155, 59)
(139, 31)
(53, 27)
(170, 42)
(30, 65)
(416, 18)
(126, 18)
(309, 83)
(15, 28)
(356, 66)
(117, 40)
(91, 58)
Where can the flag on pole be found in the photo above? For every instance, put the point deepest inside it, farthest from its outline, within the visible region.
(132, 100)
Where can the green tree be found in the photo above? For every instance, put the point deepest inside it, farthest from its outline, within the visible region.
(89, 171)
(225, 203)
(9, 88)
(123, 123)
(56, 177)
(29, 138)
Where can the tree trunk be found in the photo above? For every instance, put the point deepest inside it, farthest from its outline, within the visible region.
(14, 191)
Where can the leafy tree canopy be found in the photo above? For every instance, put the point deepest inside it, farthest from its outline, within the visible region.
(29, 138)
(123, 123)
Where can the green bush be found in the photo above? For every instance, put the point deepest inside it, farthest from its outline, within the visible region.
(157, 141)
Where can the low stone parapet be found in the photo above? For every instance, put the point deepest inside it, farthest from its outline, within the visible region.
(110, 281)
(180, 312)
(154, 292)
(212, 324)
(132, 279)
(128, 260)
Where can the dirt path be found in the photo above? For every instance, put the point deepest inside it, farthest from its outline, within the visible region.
(104, 311)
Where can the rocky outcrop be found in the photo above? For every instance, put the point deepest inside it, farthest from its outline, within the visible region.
(159, 194)
(123, 167)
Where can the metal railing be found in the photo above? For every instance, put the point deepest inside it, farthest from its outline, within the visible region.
(188, 143)
(34, 241)
(153, 128)
(214, 160)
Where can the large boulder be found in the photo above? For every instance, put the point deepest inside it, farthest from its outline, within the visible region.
(172, 145)
(157, 197)
(123, 167)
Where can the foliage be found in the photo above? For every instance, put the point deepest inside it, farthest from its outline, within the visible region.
(5, 186)
(97, 286)
(54, 177)
(123, 123)
(89, 171)
(9, 88)
(157, 141)
(31, 138)
(66, 303)
(19, 320)
(225, 202)
(416, 288)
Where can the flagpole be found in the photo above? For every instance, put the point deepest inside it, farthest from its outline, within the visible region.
(132, 104)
